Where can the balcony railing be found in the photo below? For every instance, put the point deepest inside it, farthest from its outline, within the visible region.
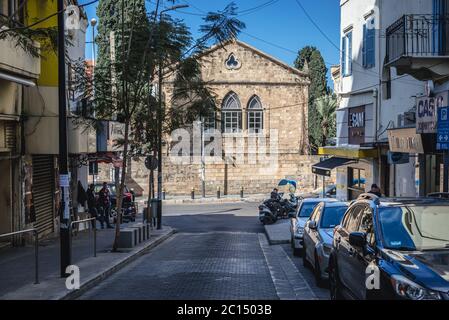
(418, 35)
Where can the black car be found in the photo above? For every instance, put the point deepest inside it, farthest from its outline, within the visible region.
(391, 249)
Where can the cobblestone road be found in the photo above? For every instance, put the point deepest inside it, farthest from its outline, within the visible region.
(217, 254)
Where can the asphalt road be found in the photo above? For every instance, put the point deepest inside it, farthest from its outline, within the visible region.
(219, 252)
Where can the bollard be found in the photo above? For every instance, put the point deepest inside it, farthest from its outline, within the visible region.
(163, 194)
(218, 192)
(241, 192)
(193, 193)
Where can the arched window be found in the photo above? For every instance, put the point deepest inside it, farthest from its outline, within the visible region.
(231, 113)
(255, 115)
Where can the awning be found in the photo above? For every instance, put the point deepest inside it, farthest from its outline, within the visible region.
(16, 79)
(350, 152)
(325, 167)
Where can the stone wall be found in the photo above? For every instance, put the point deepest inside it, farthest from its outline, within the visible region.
(178, 180)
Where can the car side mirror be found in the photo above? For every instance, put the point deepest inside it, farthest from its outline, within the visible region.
(357, 239)
(312, 224)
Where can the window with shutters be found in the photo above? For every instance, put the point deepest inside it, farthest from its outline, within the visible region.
(369, 44)
(346, 57)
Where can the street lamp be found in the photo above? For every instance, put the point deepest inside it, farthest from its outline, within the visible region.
(93, 23)
(159, 122)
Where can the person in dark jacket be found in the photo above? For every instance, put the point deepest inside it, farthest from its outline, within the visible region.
(104, 201)
(375, 190)
(92, 204)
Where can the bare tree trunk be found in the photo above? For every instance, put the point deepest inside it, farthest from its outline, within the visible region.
(122, 187)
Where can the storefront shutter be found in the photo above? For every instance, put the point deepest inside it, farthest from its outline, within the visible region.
(43, 193)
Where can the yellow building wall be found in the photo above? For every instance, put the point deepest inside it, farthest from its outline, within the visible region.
(37, 10)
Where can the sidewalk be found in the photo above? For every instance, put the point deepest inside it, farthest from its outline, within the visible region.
(17, 264)
(279, 232)
(211, 199)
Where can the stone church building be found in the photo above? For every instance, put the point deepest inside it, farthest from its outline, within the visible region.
(262, 105)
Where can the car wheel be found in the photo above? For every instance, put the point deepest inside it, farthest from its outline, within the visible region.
(297, 252)
(334, 282)
(317, 272)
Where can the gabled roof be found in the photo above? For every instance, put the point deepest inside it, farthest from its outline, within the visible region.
(257, 51)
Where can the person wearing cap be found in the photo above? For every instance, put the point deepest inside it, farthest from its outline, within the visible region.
(375, 190)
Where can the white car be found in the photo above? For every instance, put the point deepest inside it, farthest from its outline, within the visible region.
(298, 222)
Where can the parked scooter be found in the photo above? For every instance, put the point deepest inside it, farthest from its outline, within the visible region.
(266, 216)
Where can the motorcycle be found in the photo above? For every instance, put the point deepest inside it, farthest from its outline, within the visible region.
(278, 208)
(266, 216)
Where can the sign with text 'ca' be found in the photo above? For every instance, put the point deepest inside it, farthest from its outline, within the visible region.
(426, 112)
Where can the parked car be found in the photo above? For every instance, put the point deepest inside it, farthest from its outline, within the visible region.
(330, 192)
(402, 244)
(127, 195)
(297, 222)
(129, 206)
(318, 236)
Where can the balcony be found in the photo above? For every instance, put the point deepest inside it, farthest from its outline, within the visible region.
(15, 61)
(418, 45)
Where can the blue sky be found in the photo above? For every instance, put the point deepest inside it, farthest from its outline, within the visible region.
(283, 24)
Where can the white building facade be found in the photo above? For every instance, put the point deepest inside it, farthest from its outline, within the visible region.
(379, 91)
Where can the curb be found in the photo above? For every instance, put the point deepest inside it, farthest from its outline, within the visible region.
(274, 242)
(110, 271)
(213, 201)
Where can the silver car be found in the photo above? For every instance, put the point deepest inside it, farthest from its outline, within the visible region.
(318, 235)
(298, 222)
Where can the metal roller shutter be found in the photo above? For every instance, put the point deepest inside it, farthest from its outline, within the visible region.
(43, 193)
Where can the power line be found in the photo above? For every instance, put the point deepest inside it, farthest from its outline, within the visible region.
(45, 19)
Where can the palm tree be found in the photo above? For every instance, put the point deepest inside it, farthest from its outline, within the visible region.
(327, 107)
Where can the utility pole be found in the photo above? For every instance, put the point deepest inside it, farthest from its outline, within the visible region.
(64, 178)
(203, 162)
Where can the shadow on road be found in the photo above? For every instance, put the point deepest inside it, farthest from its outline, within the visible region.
(205, 222)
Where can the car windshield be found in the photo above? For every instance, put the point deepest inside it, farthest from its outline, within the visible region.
(306, 209)
(415, 228)
(332, 216)
(111, 187)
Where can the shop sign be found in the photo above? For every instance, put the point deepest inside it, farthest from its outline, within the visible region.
(405, 141)
(356, 125)
(426, 112)
(443, 129)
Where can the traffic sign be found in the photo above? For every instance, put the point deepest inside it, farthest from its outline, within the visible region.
(443, 129)
(151, 163)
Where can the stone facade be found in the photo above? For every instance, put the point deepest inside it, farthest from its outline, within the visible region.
(283, 93)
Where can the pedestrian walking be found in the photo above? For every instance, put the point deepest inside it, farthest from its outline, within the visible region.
(104, 200)
(92, 204)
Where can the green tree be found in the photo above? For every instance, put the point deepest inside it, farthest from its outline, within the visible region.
(326, 106)
(134, 47)
(311, 59)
